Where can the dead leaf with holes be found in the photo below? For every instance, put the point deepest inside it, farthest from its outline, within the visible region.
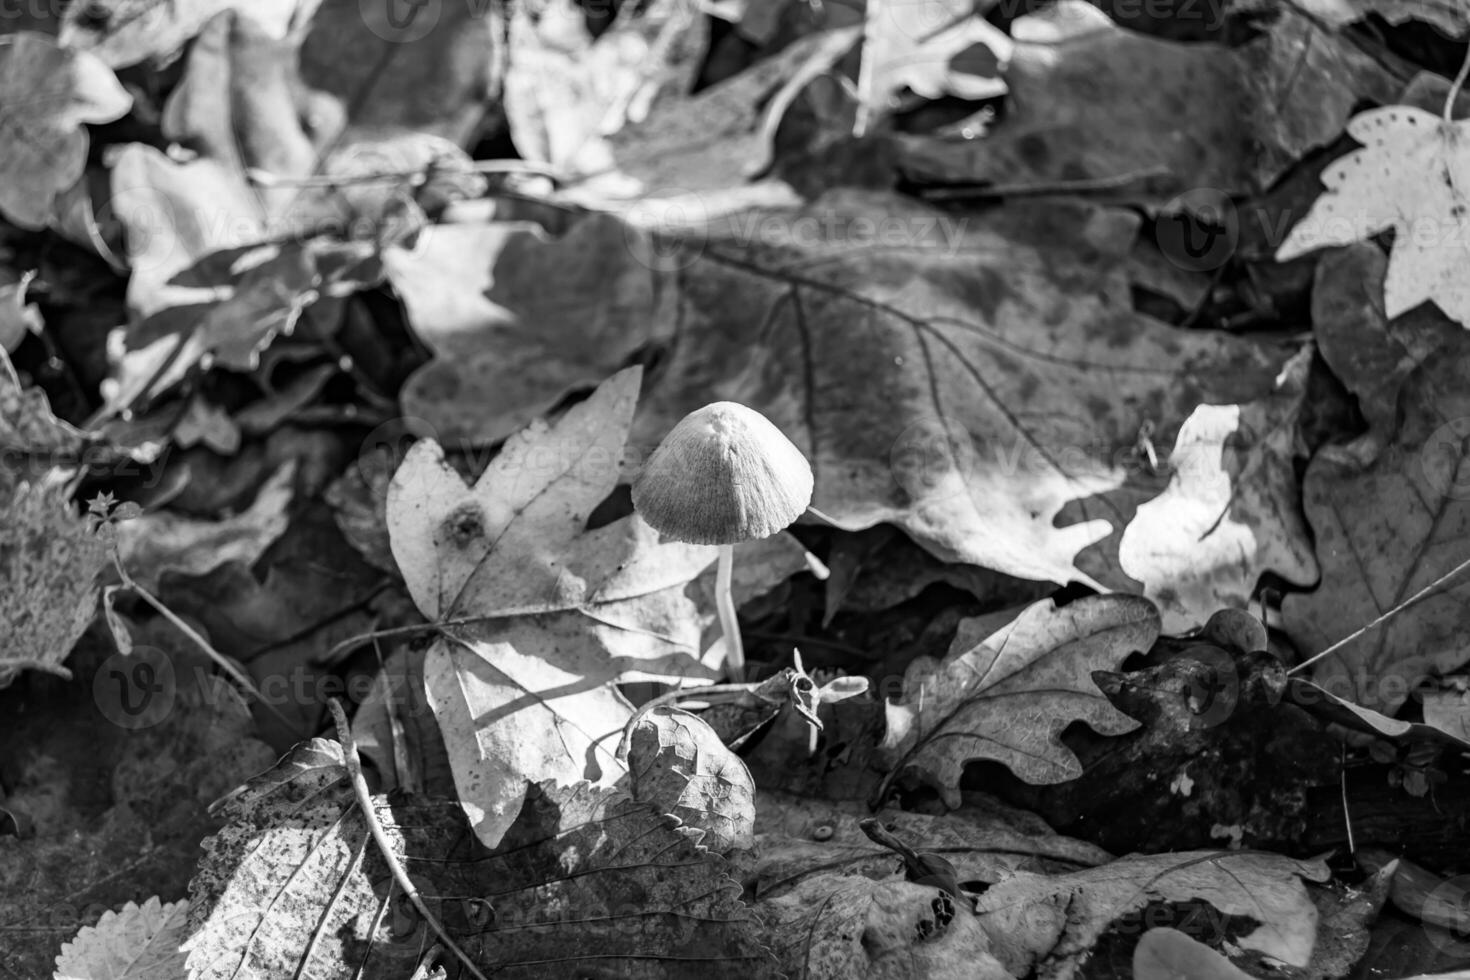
(539, 615)
(1007, 693)
(587, 880)
(1412, 176)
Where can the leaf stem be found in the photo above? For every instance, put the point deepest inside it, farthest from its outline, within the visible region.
(1459, 82)
(370, 816)
(1422, 593)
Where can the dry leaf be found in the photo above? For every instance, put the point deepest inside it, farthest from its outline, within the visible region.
(1406, 178)
(587, 880)
(933, 48)
(50, 92)
(139, 943)
(558, 613)
(1168, 954)
(1390, 511)
(677, 764)
(1007, 695)
(1048, 926)
(507, 348)
(125, 32)
(837, 927)
(1230, 510)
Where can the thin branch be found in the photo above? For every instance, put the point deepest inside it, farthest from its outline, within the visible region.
(370, 815)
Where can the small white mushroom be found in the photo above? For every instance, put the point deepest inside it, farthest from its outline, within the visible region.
(724, 475)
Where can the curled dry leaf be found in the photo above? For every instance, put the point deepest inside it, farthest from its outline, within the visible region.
(1006, 695)
(678, 764)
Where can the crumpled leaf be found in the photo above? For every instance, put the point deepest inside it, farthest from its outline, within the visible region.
(1390, 511)
(161, 542)
(50, 92)
(139, 943)
(678, 764)
(933, 48)
(1450, 17)
(1096, 101)
(1047, 926)
(1405, 178)
(1007, 695)
(1231, 508)
(836, 927)
(587, 880)
(125, 32)
(559, 613)
(1167, 954)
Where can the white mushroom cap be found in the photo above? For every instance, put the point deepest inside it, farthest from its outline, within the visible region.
(723, 475)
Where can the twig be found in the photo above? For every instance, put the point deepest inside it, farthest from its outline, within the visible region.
(1427, 590)
(370, 816)
(220, 660)
(1043, 188)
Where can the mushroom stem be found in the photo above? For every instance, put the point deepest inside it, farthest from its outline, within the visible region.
(725, 605)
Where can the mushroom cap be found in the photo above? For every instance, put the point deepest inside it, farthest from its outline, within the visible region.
(723, 475)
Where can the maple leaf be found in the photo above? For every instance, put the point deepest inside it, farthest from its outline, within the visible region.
(1412, 176)
(50, 92)
(587, 879)
(1007, 693)
(560, 613)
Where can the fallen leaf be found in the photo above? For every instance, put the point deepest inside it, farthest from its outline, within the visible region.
(125, 32)
(677, 764)
(1391, 513)
(141, 942)
(566, 92)
(834, 927)
(540, 617)
(1007, 695)
(50, 92)
(161, 542)
(985, 840)
(1153, 118)
(1050, 925)
(1230, 511)
(1403, 179)
(1450, 17)
(507, 349)
(587, 879)
(933, 48)
(1168, 954)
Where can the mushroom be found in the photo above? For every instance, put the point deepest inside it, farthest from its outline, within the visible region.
(723, 475)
